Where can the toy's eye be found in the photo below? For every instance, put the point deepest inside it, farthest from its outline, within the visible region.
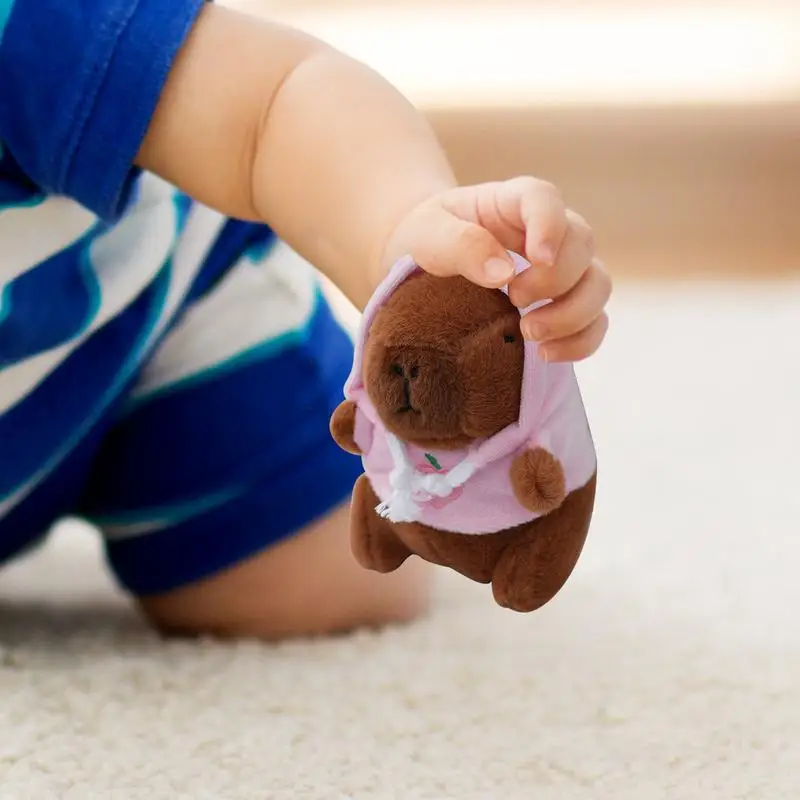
(509, 338)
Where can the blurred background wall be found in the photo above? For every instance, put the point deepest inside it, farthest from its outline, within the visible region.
(673, 126)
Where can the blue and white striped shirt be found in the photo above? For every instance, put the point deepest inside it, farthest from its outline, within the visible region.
(90, 260)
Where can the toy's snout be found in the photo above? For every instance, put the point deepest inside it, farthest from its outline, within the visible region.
(416, 379)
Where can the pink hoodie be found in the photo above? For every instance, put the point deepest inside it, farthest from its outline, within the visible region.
(469, 491)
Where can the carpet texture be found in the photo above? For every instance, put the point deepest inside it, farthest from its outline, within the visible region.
(669, 667)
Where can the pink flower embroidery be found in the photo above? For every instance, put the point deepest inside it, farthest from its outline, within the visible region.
(431, 466)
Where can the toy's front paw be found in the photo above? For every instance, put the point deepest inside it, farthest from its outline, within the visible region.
(538, 480)
(343, 427)
(373, 540)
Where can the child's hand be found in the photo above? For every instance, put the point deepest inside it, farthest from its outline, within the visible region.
(466, 231)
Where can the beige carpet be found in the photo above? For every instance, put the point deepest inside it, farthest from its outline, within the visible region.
(668, 668)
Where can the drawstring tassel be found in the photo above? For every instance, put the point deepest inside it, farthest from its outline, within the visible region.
(411, 489)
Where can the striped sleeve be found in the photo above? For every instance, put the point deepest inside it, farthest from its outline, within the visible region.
(79, 82)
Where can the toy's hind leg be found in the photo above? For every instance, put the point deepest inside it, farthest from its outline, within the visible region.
(373, 539)
(534, 567)
(472, 556)
(382, 546)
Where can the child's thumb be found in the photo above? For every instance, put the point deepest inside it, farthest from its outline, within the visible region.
(450, 246)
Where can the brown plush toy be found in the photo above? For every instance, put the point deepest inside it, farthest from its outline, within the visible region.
(477, 453)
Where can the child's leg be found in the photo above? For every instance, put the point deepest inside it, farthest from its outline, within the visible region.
(220, 491)
(307, 584)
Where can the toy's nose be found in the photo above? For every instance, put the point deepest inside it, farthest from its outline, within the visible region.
(407, 372)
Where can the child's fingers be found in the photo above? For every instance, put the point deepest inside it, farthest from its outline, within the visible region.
(525, 215)
(578, 346)
(535, 208)
(572, 312)
(447, 245)
(573, 259)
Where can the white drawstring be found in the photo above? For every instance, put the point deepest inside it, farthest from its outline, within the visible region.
(411, 488)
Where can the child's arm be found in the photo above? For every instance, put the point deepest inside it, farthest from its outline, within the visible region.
(266, 123)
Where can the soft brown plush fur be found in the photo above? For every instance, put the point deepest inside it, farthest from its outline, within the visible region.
(443, 366)
(443, 362)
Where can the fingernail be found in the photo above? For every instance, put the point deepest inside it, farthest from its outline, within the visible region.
(545, 254)
(498, 269)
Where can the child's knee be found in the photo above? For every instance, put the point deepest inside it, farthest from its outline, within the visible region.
(307, 585)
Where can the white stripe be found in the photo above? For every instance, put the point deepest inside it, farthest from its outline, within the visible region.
(202, 228)
(255, 303)
(33, 234)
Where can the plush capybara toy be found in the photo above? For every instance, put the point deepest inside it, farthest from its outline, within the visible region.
(477, 453)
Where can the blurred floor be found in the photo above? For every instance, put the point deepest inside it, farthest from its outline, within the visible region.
(666, 668)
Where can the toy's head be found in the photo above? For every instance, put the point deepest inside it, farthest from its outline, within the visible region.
(443, 362)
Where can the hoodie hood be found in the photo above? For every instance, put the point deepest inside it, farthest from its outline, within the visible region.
(482, 452)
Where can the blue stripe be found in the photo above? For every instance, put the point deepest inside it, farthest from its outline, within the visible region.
(94, 296)
(6, 7)
(235, 238)
(183, 205)
(170, 515)
(5, 303)
(14, 195)
(50, 304)
(260, 249)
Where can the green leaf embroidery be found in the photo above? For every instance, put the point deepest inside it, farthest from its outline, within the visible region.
(433, 462)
